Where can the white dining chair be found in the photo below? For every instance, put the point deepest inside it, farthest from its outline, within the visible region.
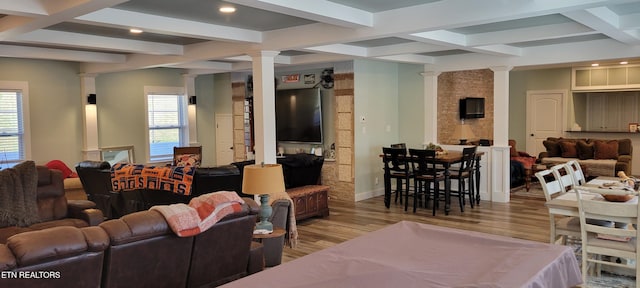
(560, 226)
(614, 241)
(562, 173)
(573, 167)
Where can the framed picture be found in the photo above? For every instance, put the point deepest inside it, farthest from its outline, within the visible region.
(633, 127)
(309, 78)
(114, 155)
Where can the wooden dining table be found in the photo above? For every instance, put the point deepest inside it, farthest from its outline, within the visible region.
(567, 203)
(446, 160)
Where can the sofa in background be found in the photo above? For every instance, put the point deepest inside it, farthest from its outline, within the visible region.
(53, 208)
(599, 157)
(137, 250)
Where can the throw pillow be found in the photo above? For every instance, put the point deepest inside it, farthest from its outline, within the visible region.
(605, 149)
(585, 150)
(188, 160)
(553, 148)
(568, 149)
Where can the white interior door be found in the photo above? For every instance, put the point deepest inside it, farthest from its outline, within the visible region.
(224, 139)
(544, 118)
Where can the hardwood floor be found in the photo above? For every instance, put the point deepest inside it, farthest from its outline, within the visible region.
(521, 218)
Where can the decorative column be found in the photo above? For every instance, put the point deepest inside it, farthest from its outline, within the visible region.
(430, 106)
(264, 106)
(190, 90)
(91, 149)
(500, 150)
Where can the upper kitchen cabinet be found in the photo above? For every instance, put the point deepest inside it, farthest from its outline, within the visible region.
(606, 78)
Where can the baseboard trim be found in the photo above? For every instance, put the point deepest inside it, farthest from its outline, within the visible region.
(369, 194)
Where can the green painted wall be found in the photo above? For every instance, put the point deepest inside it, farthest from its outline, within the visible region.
(376, 99)
(121, 106)
(522, 81)
(411, 104)
(55, 107)
(205, 85)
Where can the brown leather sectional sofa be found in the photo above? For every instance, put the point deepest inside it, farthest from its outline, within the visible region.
(136, 250)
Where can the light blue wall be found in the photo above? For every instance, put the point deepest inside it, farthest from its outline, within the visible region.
(376, 99)
(522, 81)
(55, 107)
(411, 104)
(121, 106)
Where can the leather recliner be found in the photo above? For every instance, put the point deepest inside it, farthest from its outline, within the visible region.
(56, 257)
(53, 207)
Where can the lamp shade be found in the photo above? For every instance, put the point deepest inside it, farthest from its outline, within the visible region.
(262, 179)
(463, 132)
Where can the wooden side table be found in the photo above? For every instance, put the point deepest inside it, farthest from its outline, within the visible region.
(273, 244)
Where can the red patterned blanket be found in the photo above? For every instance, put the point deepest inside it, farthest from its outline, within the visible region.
(174, 179)
(202, 212)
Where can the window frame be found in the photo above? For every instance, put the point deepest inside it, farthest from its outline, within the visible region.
(22, 87)
(182, 111)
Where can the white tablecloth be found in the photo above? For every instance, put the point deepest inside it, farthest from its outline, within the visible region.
(409, 254)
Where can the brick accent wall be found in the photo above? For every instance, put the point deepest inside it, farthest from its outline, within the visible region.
(453, 86)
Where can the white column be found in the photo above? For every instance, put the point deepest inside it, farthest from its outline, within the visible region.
(430, 106)
(264, 106)
(500, 150)
(190, 90)
(91, 149)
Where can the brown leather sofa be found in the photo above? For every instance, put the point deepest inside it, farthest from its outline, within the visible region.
(54, 209)
(62, 256)
(137, 250)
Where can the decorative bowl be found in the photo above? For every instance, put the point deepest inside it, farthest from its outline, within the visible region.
(617, 198)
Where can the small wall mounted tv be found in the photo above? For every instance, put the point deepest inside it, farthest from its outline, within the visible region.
(471, 107)
(299, 115)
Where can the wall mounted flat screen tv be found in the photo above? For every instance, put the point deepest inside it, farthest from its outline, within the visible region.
(471, 107)
(299, 115)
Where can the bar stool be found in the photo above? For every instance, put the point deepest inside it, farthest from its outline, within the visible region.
(396, 167)
(466, 177)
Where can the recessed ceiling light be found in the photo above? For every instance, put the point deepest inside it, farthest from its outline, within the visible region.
(227, 9)
(135, 30)
(595, 65)
(624, 63)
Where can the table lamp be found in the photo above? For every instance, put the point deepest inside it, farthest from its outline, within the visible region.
(263, 179)
(463, 132)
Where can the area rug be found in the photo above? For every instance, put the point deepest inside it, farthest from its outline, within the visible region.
(535, 192)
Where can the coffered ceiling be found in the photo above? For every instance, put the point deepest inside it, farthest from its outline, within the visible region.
(442, 34)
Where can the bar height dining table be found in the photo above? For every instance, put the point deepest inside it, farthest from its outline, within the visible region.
(446, 160)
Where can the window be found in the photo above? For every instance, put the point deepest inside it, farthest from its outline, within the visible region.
(166, 120)
(14, 124)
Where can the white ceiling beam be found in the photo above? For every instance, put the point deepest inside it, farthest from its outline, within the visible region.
(409, 58)
(166, 25)
(279, 59)
(442, 37)
(340, 49)
(403, 48)
(544, 32)
(59, 54)
(84, 41)
(29, 8)
(205, 65)
(58, 11)
(605, 21)
(499, 50)
(316, 10)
